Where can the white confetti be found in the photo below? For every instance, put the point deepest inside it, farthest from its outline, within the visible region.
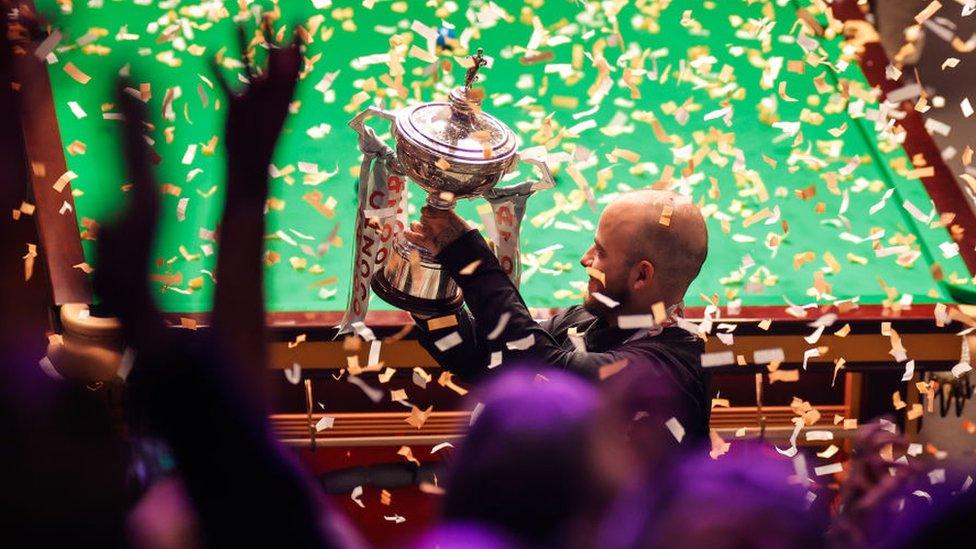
(77, 110)
(677, 430)
(721, 358)
(830, 469)
(521, 344)
(960, 369)
(441, 446)
(190, 154)
(768, 356)
(373, 393)
(48, 368)
(607, 301)
(449, 341)
(629, 322)
(294, 374)
(808, 354)
(500, 327)
(357, 494)
(909, 371)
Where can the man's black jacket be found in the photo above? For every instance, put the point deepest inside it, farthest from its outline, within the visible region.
(673, 357)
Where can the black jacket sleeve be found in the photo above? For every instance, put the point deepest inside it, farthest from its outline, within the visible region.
(489, 294)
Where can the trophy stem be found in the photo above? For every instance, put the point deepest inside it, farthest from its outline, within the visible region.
(441, 200)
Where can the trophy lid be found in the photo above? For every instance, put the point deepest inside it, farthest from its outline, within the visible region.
(458, 131)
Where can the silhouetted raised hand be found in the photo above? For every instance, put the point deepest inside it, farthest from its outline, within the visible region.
(256, 114)
(125, 245)
(255, 118)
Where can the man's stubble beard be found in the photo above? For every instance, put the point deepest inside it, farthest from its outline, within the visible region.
(596, 308)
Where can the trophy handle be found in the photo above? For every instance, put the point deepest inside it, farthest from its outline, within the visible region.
(547, 182)
(358, 123)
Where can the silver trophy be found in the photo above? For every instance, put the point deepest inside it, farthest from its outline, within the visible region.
(452, 150)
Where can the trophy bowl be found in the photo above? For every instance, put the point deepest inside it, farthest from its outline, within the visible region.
(446, 147)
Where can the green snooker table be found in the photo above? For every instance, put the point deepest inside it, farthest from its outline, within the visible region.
(769, 114)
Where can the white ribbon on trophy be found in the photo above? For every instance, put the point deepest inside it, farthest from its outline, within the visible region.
(381, 215)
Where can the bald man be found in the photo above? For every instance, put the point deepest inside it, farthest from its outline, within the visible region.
(648, 248)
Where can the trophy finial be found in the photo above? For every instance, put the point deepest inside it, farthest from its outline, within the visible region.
(479, 61)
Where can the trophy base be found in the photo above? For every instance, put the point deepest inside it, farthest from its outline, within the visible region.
(428, 307)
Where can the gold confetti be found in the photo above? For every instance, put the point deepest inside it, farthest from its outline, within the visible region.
(928, 12)
(76, 73)
(611, 369)
(442, 322)
(407, 454)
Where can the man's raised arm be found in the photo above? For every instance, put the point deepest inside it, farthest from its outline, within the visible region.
(503, 323)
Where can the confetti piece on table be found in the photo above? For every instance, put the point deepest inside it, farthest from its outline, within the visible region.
(495, 359)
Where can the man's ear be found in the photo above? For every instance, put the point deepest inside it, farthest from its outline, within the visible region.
(643, 274)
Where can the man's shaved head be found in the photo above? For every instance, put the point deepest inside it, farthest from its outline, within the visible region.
(662, 228)
(675, 244)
